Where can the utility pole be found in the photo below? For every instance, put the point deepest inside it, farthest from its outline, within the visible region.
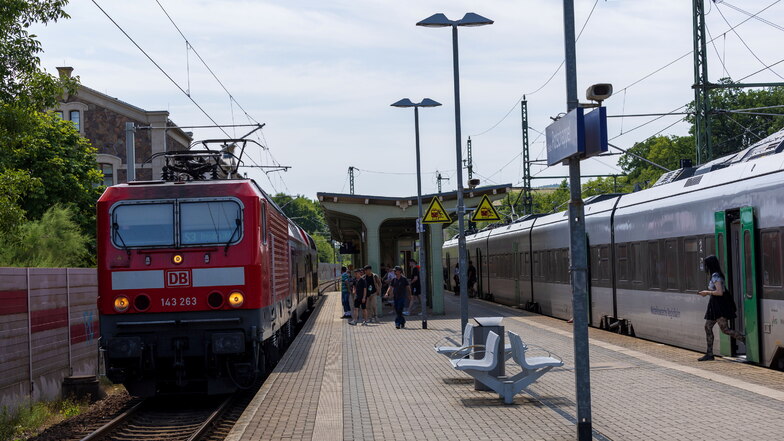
(528, 201)
(702, 107)
(578, 252)
(130, 152)
(351, 178)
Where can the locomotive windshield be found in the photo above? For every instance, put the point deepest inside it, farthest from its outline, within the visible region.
(140, 225)
(197, 222)
(209, 222)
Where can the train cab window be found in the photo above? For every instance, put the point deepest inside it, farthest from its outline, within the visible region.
(771, 258)
(140, 225)
(214, 222)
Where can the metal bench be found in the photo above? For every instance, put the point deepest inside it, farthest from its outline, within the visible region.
(507, 387)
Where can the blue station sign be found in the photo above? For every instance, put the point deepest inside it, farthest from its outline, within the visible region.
(577, 134)
(566, 137)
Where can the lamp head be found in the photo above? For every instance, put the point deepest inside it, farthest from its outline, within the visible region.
(471, 19)
(405, 102)
(436, 21)
(427, 102)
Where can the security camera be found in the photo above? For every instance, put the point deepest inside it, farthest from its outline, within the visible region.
(599, 92)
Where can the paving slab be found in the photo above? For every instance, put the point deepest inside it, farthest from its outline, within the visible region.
(375, 382)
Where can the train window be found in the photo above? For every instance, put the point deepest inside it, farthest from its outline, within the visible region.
(604, 264)
(140, 225)
(637, 259)
(749, 291)
(210, 222)
(710, 246)
(264, 223)
(771, 258)
(536, 266)
(671, 263)
(594, 263)
(694, 277)
(622, 260)
(654, 265)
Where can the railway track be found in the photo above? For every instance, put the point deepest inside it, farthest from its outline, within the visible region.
(165, 419)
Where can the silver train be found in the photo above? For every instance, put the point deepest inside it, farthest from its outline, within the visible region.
(646, 250)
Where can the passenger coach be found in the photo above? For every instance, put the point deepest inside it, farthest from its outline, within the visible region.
(646, 251)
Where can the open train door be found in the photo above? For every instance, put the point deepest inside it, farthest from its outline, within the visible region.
(736, 245)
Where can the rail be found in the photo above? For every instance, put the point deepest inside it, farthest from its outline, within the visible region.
(323, 286)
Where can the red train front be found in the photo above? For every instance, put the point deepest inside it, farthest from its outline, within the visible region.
(200, 284)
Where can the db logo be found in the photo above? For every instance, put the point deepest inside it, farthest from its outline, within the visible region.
(178, 278)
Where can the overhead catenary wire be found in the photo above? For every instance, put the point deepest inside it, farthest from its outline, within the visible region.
(746, 45)
(159, 67)
(546, 82)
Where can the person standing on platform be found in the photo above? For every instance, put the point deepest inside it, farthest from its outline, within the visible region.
(388, 278)
(456, 278)
(373, 287)
(415, 286)
(401, 291)
(471, 279)
(360, 299)
(721, 306)
(345, 291)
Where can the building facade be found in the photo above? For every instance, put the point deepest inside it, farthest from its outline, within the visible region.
(102, 118)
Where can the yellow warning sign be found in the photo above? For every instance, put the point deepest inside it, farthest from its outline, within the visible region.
(485, 211)
(436, 214)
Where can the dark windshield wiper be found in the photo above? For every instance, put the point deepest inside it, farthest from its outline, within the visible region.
(116, 229)
(236, 229)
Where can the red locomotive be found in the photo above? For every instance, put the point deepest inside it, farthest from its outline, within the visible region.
(201, 280)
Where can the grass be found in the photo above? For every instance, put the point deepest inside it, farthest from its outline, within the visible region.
(29, 420)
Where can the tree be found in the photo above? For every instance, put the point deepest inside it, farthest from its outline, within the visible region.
(305, 212)
(731, 132)
(666, 151)
(43, 160)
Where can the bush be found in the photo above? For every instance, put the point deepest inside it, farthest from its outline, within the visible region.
(54, 241)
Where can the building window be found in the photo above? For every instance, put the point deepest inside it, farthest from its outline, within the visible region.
(74, 116)
(108, 174)
(108, 165)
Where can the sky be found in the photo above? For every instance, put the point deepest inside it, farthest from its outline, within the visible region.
(321, 76)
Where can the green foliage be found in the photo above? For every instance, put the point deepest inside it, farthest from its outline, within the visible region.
(56, 157)
(305, 212)
(22, 83)
(53, 241)
(326, 252)
(731, 132)
(666, 151)
(14, 184)
(549, 201)
(31, 419)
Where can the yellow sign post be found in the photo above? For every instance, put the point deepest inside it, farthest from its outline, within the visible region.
(436, 214)
(485, 211)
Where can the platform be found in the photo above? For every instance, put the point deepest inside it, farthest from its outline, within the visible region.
(341, 382)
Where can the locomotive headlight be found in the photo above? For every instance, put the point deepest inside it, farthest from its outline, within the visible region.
(121, 304)
(236, 299)
(177, 259)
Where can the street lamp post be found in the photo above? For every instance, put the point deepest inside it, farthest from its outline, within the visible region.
(440, 21)
(427, 102)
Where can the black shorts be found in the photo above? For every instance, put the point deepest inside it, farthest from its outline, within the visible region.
(359, 304)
